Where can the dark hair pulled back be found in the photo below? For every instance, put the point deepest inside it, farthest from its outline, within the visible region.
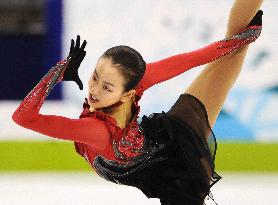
(130, 63)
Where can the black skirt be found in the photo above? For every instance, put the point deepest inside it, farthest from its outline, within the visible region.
(178, 163)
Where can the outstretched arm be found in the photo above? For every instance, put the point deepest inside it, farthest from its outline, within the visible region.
(168, 68)
(214, 82)
(85, 130)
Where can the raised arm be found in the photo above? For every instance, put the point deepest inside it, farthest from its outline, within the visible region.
(170, 67)
(85, 130)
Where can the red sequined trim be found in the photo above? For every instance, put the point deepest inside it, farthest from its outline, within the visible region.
(131, 144)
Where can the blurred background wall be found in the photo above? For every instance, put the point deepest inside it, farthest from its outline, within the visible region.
(35, 34)
(30, 38)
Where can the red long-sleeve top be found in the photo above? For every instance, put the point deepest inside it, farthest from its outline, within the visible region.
(96, 133)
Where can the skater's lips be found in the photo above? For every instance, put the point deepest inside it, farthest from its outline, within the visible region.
(93, 99)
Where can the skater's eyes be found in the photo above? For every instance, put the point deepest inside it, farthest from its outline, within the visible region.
(106, 88)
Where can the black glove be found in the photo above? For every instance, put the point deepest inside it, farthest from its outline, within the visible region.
(257, 19)
(76, 56)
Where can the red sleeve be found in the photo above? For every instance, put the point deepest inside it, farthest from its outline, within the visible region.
(85, 130)
(170, 67)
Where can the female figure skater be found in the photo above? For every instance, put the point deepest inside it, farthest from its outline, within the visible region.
(169, 155)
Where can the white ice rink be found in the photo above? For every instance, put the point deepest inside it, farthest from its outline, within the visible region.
(88, 189)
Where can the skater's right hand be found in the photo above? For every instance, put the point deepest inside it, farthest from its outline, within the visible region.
(76, 56)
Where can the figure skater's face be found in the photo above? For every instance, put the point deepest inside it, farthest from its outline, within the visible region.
(106, 85)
